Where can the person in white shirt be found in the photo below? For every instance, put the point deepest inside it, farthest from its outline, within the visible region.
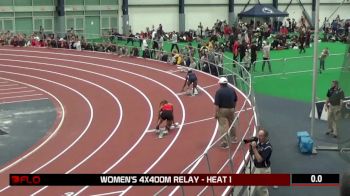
(174, 42)
(144, 48)
(324, 55)
(161, 42)
(266, 56)
(154, 33)
(144, 44)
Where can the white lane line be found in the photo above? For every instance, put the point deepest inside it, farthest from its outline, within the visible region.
(143, 66)
(292, 72)
(76, 140)
(4, 82)
(105, 141)
(7, 89)
(25, 100)
(103, 194)
(189, 123)
(8, 85)
(202, 120)
(236, 149)
(210, 86)
(61, 112)
(201, 87)
(232, 157)
(174, 71)
(143, 135)
(111, 78)
(66, 149)
(102, 144)
(181, 93)
(32, 95)
(214, 133)
(17, 92)
(140, 138)
(92, 57)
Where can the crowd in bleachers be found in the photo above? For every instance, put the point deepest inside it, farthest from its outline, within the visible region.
(243, 39)
(338, 30)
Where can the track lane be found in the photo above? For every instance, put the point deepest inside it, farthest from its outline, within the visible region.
(138, 108)
(164, 67)
(177, 84)
(59, 139)
(93, 126)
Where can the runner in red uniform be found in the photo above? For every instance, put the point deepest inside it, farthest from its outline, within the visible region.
(166, 110)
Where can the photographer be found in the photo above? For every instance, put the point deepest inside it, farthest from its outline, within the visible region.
(261, 150)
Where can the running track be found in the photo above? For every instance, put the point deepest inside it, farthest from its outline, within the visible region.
(106, 109)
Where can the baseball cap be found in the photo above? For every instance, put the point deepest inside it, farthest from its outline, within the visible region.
(189, 70)
(223, 80)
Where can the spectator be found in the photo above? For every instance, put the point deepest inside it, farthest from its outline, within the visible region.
(253, 54)
(266, 56)
(174, 42)
(242, 50)
(302, 42)
(130, 38)
(235, 52)
(246, 60)
(324, 55)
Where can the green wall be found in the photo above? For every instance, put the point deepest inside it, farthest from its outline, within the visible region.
(24, 25)
(28, 15)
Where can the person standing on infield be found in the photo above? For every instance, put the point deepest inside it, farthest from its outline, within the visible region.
(324, 55)
(225, 103)
(266, 56)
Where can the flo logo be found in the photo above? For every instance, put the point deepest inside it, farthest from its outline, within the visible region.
(24, 180)
(267, 10)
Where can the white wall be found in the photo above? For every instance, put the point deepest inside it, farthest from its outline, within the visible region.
(152, 2)
(206, 1)
(166, 12)
(142, 17)
(196, 14)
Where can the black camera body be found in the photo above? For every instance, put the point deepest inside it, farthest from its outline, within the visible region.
(249, 140)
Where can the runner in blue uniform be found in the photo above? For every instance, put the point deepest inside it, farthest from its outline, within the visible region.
(191, 78)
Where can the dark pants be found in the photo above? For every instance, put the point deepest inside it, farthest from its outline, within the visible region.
(322, 64)
(302, 48)
(268, 62)
(130, 39)
(176, 46)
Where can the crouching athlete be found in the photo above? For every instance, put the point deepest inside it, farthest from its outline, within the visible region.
(191, 79)
(166, 113)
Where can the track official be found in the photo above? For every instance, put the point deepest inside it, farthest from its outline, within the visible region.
(335, 97)
(225, 103)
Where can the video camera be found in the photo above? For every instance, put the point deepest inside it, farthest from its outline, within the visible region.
(249, 140)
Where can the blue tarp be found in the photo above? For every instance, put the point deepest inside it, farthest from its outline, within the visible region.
(263, 10)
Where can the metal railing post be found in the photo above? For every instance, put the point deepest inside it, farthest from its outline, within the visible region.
(182, 190)
(209, 168)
